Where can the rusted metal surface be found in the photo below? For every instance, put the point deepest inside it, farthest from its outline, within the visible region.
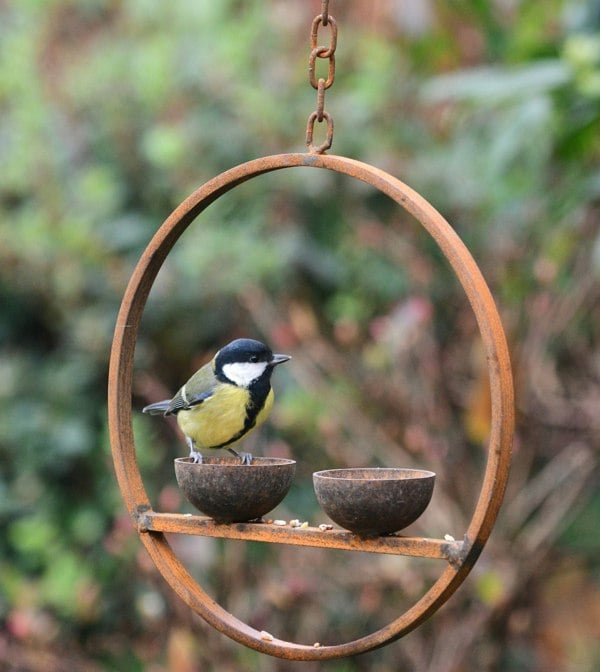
(232, 492)
(502, 420)
(418, 547)
(310, 130)
(319, 52)
(325, 12)
(320, 84)
(374, 501)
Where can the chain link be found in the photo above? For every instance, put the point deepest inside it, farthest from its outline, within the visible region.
(324, 11)
(318, 51)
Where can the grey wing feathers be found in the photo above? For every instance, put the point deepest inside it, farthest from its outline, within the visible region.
(158, 408)
(199, 387)
(183, 403)
(178, 403)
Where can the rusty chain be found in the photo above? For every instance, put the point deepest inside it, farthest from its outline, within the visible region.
(323, 19)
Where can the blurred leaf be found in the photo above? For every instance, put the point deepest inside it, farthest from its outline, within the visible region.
(65, 575)
(32, 535)
(492, 85)
(490, 587)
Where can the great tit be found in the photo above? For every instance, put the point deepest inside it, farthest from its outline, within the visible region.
(225, 399)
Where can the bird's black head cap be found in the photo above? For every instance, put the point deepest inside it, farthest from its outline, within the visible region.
(243, 350)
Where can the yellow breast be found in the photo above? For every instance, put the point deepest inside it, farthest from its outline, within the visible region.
(220, 417)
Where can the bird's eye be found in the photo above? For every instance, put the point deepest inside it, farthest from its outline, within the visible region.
(254, 359)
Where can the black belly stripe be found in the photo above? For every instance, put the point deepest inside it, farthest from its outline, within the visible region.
(259, 391)
(234, 438)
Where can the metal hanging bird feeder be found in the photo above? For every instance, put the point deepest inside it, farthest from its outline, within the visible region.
(458, 557)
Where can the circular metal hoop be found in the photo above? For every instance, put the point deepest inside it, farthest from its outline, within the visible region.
(502, 421)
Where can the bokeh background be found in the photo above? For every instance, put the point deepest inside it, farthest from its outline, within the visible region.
(111, 112)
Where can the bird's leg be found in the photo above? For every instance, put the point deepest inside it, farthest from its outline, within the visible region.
(245, 458)
(194, 454)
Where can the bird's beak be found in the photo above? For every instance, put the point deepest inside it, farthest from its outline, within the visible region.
(279, 359)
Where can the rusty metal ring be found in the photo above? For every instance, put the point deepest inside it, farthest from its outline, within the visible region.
(318, 52)
(319, 20)
(310, 130)
(502, 421)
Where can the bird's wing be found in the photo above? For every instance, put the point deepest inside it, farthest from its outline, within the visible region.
(198, 388)
(158, 408)
(183, 402)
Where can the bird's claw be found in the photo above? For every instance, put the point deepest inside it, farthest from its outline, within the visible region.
(245, 458)
(195, 456)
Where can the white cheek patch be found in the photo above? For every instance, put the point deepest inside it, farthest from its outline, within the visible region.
(243, 373)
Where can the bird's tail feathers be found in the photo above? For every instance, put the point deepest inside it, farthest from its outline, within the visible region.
(158, 408)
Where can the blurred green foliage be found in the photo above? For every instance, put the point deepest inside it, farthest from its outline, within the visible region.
(111, 113)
